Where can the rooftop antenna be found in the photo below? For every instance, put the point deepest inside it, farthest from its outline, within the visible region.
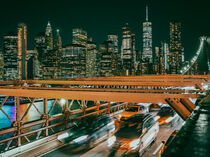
(147, 13)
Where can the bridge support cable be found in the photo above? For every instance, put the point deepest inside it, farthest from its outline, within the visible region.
(195, 58)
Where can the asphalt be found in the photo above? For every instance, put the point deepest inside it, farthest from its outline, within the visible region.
(102, 150)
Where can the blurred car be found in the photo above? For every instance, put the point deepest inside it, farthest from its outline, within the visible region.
(88, 131)
(154, 107)
(132, 110)
(136, 134)
(166, 115)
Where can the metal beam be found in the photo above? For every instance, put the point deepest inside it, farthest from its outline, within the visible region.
(179, 107)
(95, 96)
(127, 83)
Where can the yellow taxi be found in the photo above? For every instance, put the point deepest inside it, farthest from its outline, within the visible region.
(132, 110)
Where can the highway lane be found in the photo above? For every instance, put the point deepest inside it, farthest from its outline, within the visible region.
(102, 150)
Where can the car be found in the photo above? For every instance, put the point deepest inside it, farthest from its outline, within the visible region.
(88, 131)
(135, 135)
(166, 115)
(132, 110)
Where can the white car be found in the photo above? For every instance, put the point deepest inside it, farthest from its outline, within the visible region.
(136, 134)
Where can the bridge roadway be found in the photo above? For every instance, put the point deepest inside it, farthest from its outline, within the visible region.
(175, 90)
(102, 150)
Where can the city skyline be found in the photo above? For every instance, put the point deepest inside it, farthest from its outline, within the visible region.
(102, 18)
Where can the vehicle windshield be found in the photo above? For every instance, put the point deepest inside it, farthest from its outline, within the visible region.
(166, 111)
(86, 122)
(132, 109)
(128, 132)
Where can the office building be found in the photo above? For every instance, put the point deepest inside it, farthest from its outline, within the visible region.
(73, 62)
(92, 60)
(116, 60)
(147, 40)
(106, 50)
(176, 49)
(127, 50)
(79, 37)
(10, 53)
(22, 48)
(161, 58)
(49, 36)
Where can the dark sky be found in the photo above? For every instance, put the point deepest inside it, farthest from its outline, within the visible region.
(100, 17)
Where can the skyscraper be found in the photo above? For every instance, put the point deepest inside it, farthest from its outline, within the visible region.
(116, 61)
(79, 37)
(22, 48)
(10, 53)
(58, 41)
(49, 37)
(106, 50)
(176, 49)
(127, 50)
(161, 58)
(73, 63)
(147, 39)
(92, 60)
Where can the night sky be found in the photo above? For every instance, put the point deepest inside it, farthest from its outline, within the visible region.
(100, 17)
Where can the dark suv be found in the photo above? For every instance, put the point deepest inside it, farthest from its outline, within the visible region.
(88, 131)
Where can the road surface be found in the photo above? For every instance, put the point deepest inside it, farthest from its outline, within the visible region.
(102, 150)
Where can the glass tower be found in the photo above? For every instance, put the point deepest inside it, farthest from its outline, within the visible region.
(147, 39)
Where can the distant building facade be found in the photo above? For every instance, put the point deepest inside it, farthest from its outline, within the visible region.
(176, 49)
(10, 53)
(73, 62)
(79, 37)
(106, 50)
(147, 55)
(49, 37)
(116, 60)
(92, 60)
(127, 50)
(22, 48)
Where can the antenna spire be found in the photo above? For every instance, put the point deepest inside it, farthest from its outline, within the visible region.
(147, 13)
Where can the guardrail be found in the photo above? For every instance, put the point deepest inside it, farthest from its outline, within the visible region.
(23, 132)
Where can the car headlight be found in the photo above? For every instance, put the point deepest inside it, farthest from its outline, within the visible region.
(134, 144)
(81, 138)
(169, 119)
(156, 118)
(64, 135)
(111, 141)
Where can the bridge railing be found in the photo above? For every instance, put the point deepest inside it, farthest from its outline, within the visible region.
(22, 130)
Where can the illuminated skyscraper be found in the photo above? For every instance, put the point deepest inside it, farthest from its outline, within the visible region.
(161, 58)
(49, 37)
(147, 39)
(116, 61)
(127, 50)
(22, 48)
(106, 50)
(91, 60)
(58, 41)
(73, 63)
(79, 37)
(176, 49)
(10, 52)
